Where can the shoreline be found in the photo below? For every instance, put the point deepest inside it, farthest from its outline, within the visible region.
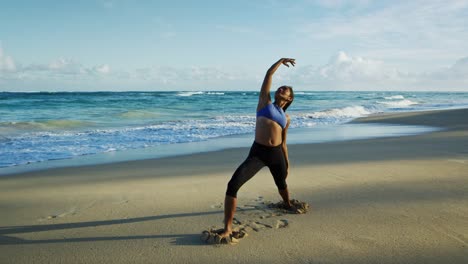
(82, 136)
(380, 200)
(352, 130)
(438, 118)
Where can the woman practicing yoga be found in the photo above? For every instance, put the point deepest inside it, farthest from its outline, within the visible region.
(269, 148)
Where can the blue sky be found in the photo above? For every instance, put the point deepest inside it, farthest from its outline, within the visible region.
(228, 45)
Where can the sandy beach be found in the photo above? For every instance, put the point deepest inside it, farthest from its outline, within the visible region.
(386, 200)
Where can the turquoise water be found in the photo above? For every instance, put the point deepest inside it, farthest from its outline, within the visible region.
(38, 127)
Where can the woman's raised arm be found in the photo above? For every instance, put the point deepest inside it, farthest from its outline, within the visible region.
(265, 97)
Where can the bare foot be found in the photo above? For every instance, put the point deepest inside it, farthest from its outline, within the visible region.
(294, 206)
(225, 237)
(293, 209)
(224, 233)
(222, 236)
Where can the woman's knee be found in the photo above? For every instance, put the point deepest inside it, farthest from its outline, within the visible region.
(232, 189)
(279, 175)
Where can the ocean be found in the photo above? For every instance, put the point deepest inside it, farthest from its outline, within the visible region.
(45, 126)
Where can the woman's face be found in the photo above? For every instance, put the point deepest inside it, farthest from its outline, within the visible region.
(284, 93)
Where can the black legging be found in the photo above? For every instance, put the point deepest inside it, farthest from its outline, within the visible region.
(259, 157)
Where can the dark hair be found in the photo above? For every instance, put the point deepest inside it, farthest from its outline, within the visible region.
(291, 95)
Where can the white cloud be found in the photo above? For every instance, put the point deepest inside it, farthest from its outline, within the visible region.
(342, 72)
(66, 66)
(460, 68)
(165, 75)
(414, 19)
(344, 67)
(346, 72)
(210, 74)
(103, 69)
(172, 75)
(60, 69)
(458, 71)
(431, 31)
(7, 63)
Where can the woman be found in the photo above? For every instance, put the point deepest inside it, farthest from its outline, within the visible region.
(269, 148)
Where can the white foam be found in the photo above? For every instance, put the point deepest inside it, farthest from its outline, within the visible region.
(198, 93)
(400, 103)
(345, 112)
(189, 93)
(111, 150)
(395, 97)
(329, 116)
(119, 123)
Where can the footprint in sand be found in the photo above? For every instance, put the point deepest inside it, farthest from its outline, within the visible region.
(282, 223)
(217, 206)
(257, 226)
(212, 236)
(259, 199)
(236, 221)
(71, 211)
(256, 216)
(123, 201)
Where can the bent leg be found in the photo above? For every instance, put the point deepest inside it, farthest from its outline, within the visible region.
(279, 170)
(280, 180)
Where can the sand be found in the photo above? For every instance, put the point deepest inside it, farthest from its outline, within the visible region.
(387, 200)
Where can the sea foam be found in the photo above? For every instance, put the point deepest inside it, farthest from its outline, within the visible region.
(44, 126)
(399, 103)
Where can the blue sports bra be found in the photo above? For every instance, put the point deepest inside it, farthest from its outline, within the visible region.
(275, 113)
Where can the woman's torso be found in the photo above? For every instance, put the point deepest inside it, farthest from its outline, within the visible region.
(268, 132)
(270, 123)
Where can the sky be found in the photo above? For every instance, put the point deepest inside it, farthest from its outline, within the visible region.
(123, 45)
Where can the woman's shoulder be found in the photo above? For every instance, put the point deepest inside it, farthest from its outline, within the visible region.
(262, 105)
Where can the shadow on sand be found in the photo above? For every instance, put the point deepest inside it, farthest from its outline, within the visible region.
(180, 239)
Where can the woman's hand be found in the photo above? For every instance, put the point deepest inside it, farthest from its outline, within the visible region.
(285, 61)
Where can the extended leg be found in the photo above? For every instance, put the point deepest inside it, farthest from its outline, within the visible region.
(230, 204)
(244, 173)
(285, 195)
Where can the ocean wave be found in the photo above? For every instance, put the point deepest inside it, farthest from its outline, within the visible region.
(36, 146)
(400, 103)
(395, 97)
(189, 93)
(330, 116)
(132, 120)
(44, 125)
(139, 114)
(345, 112)
(186, 94)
